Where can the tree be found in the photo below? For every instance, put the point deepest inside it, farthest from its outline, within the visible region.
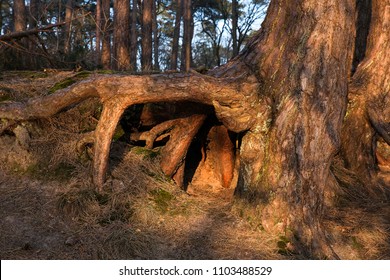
(68, 20)
(133, 36)
(146, 61)
(19, 15)
(106, 40)
(187, 35)
(122, 34)
(285, 94)
(176, 34)
(98, 18)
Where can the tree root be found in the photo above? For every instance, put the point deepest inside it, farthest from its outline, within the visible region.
(119, 92)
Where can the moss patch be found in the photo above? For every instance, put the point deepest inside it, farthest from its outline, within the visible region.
(63, 84)
(162, 199)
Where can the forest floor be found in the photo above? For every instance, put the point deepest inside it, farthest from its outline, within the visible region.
(49, 210)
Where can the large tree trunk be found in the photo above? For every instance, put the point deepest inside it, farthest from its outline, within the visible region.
(286, 96)
(122, 34)
(302, 58)
(146, 60)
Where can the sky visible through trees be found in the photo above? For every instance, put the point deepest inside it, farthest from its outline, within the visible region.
(81, 23)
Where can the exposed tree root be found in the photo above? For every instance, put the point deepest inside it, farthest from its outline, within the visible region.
(117, 93)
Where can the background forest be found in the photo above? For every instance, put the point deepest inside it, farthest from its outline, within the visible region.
(124, 35)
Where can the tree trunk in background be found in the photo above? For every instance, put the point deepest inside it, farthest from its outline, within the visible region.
(106, 41)
(368, 115)
(19, 15)
(1, 19)
(156, 39)
(122, 34)
(187, 36)
(234, 27)
(33, 14)
(133, 37)
(176, 35)
(68, 25)
(98, 18)
(146, 60)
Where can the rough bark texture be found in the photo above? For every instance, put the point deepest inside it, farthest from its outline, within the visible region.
(121, 35)
(368, 115)
(302, 62)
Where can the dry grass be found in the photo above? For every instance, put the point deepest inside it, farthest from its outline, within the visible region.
(49, 209)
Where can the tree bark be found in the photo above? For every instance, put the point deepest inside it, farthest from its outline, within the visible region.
(146, 61)
(121, 35)
(106, 41)
(302, 58)
(19, 15)
(156, 39)
(176, 35)
(368, 115)
(187, 36)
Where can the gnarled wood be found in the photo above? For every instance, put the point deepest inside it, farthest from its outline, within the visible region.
(368, 114)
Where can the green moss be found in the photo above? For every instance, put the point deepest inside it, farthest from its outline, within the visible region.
(61, 85)
(146, 153)
(162, 199)
(83, 75)
(119, 132)
(5, 94)
(28, 74)
(105, 72)
(70, 81)
(5, 97)
(282, 245)
(356, 244)
(63, 171)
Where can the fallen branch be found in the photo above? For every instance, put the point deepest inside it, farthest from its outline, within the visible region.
(26, 33)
